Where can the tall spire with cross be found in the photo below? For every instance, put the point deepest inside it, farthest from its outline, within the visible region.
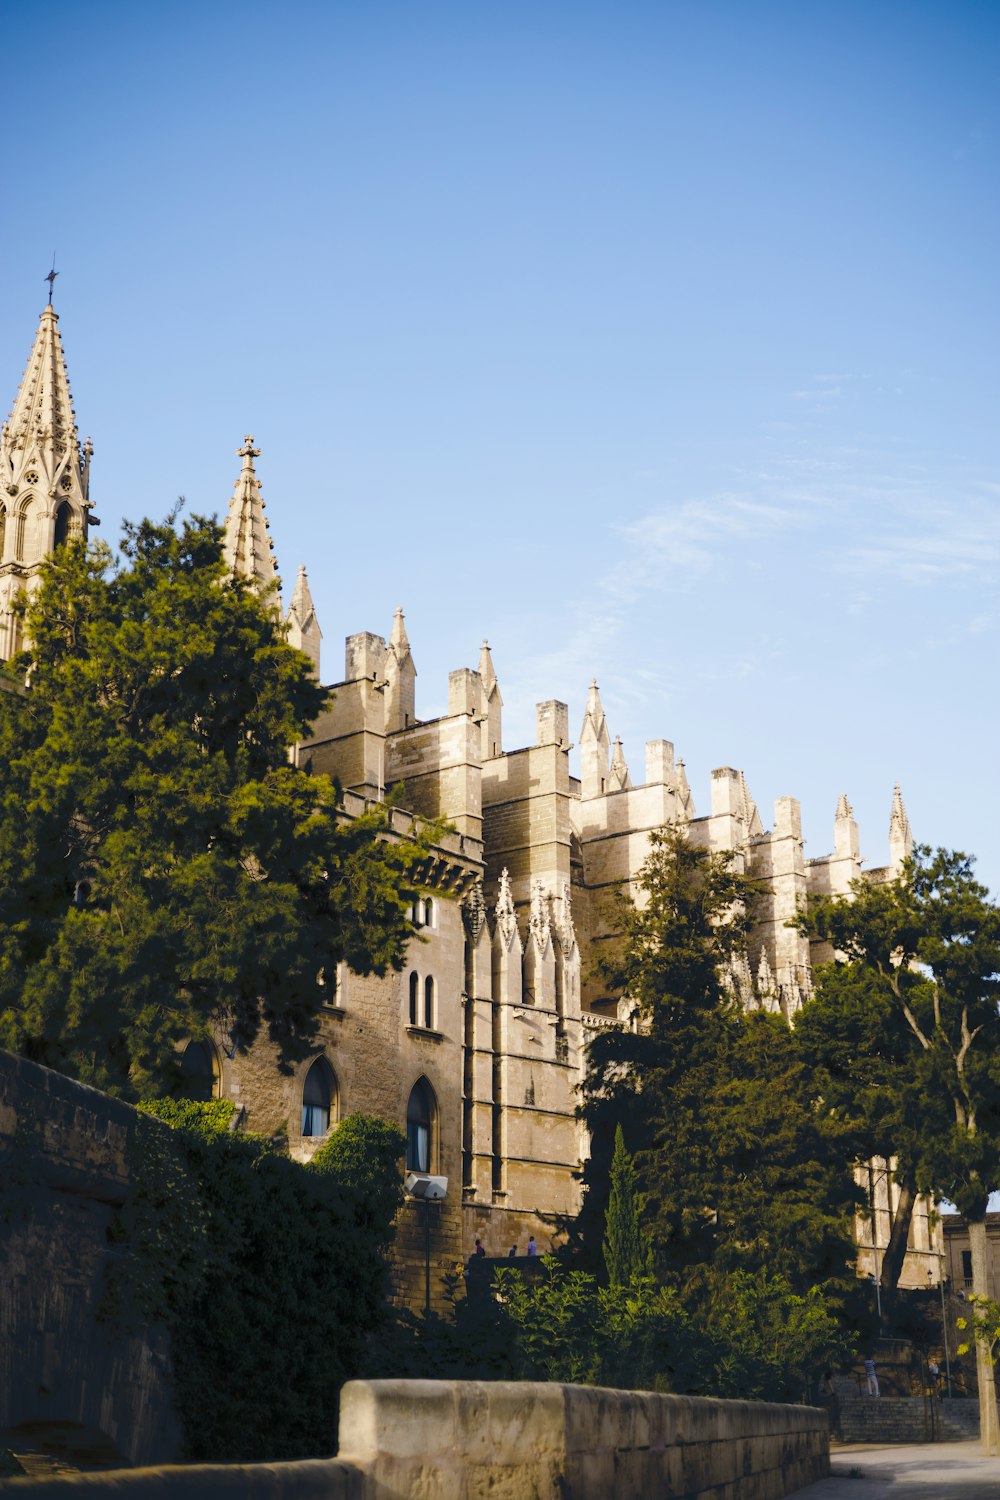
(247, 546)
(44, 473)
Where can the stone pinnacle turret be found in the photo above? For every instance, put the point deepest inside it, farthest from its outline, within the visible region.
(301, 623)
(492, 707)
(900, 837)
(618, 778)
(400, 678)
(44, 474)
(595, 743)
(246, 545)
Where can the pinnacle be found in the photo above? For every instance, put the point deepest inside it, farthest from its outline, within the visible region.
(247, 546)
(302, 604)
(594, 723)
(42, 416)
(399, 639)
(844, 809)
(486, 669)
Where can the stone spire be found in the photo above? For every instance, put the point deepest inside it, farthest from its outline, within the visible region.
(595, 743)
(246, 544)
(900, 837)
(684, 797)
(748, 810)
(44, 474)
(301, 623)
(846, 844)
(618, 777)
(400, 678)
(492, 743)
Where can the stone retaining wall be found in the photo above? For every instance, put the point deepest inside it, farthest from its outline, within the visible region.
(64, 1175)
(462, 1440)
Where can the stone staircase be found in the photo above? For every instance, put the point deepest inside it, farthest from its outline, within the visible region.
(903, 1419)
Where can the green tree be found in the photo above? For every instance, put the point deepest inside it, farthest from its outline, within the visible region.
(164, 870)
(626, 1251)
(737, 1165)
(862, 1056)
(270, 1276)
(928, 946)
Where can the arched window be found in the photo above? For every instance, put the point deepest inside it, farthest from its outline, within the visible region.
(318, 1097)
(429, 1002)
(420, 1112)
(199, 1071)
(428, 912)
(414, 999)
(64, 521)
(3, 527)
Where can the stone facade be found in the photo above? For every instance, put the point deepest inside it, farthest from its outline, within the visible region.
(481, 1040)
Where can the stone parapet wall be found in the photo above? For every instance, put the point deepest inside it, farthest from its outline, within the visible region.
(461, 1440)
(464, 1439)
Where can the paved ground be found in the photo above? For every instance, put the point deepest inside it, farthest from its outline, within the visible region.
(925, 1471)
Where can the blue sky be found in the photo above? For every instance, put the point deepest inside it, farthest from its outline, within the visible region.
(657, 343)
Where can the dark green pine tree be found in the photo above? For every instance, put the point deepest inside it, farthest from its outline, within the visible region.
(626, 1252)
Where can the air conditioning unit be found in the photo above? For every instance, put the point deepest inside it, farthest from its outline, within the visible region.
(429, 1189)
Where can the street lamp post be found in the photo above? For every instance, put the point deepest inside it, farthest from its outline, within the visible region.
(944, 1324)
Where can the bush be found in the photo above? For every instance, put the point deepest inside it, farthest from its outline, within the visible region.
(270, 1275)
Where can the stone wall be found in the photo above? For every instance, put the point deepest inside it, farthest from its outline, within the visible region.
(451, 1440)
(64, 1171)
(464, 1439)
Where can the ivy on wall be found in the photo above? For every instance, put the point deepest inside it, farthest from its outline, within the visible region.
(270, 1275)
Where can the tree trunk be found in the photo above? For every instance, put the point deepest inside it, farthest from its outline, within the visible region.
(895, 1253)
(989, 1424)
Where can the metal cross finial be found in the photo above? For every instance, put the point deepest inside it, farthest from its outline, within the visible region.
(51, 277)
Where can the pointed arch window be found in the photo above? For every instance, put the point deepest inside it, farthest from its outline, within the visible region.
(421, 1113)
(428, 912)
(429, 1003)
(319, 1095)
(199, 1071)
(414, 999)
(3, 526)
(64, 524)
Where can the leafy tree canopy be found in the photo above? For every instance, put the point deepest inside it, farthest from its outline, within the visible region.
(924, 950)
(164, 870)
(918, 958)
(738, 1167)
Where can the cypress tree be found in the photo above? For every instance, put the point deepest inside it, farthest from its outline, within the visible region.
(625, 1255)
